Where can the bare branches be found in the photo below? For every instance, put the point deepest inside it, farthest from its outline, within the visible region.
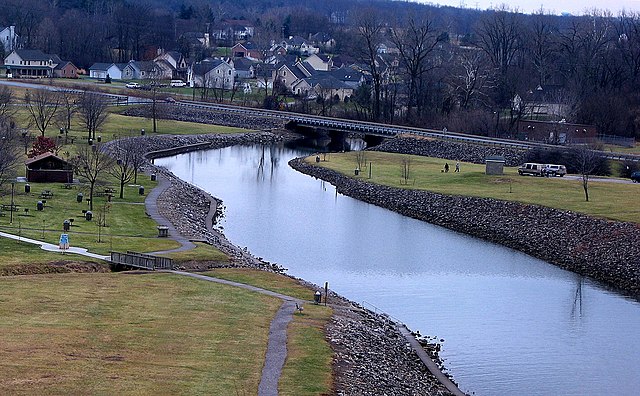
(42, 105)
(9, 152)
(91, 163)
(92, 109)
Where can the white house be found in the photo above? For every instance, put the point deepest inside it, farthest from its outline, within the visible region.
(9, 38)
(31, 63)
(211, 73)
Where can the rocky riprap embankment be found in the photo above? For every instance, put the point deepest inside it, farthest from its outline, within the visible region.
(208, 116)
(451, 150)
(373, 358)
(608, 251)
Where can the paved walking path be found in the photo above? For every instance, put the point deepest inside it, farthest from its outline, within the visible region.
(55, 248)
(277, 343)
(151, 206)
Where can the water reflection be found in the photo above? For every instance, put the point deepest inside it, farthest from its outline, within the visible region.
(512, 324)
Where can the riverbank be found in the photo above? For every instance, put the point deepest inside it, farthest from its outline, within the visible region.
(607, 251)
(370, 352)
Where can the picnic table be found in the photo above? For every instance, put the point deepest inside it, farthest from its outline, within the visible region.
(9, 207)
(46, 194)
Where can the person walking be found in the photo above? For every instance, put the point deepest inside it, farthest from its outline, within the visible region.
(446, 167)
(457, 166)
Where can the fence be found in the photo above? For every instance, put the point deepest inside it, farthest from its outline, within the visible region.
(141, 261)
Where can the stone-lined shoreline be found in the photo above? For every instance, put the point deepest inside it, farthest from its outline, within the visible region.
(371, 356)
(607, 251)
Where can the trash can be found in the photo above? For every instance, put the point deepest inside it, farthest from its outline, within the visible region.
(40, 205)
(66, 225)
(153, 177)
(141, 190)
(90, 142)
(79, 197)
(88, 215)
(317, 158)
(142, 132)
(316, 297)
(27, 188)
(356, 171)
(99, 139)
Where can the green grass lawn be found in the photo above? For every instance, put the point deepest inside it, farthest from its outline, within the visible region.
(130, 334)
(307, 370)
(608, 200)
(128, 226)
(202, 252)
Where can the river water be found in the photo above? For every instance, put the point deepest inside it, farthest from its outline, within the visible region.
(512, 324)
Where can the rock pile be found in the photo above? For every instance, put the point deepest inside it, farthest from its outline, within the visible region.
(608, 251)
(451, 150)
(373, 358)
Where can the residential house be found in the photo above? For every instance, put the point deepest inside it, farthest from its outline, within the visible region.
(211, 73)
(387, 47)
(246, 50)
(177, 63)
(31, 63)
(102, 70)
(141, 70)
(233, 29)
(322, 40)
(288, 74)
(264, 75)
(544, 101)
(197, 39)
(320, 62)
(243, 68)
(323, 85)
(298, 45)
(65, 69)
(349, 76)
(9, 38)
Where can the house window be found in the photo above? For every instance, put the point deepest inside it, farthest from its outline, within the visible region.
(229, 71)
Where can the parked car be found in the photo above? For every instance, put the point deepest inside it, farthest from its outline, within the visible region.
(178, 83)
(132, 85)
(531, 168)
(554, 170)
(635, 176)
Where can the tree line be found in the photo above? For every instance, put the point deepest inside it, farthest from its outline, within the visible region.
(451, 68)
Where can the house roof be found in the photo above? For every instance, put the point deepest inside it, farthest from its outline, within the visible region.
(143, 65)
(346, 74)
(327, 81)
(32, 55)
(64, 64)
(43, 156)
(292, 68)
(206, 66)
(321, 37)
(242, 64)
(100, 66)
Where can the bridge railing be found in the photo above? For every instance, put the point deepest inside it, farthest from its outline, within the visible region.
(141, 261)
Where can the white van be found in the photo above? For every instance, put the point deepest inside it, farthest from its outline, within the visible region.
(178, 83)
(531, 168)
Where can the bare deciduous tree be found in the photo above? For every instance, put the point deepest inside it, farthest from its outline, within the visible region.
(585, 160)
(42, 105)
(128, 155)
(370, 26)
(91, 163)
(416, 41)
(92, 109)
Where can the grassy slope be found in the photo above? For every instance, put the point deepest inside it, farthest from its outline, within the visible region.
(130, 334)
(608, 200)
(307, 370)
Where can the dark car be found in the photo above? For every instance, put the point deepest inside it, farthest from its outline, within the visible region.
(635, 176)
